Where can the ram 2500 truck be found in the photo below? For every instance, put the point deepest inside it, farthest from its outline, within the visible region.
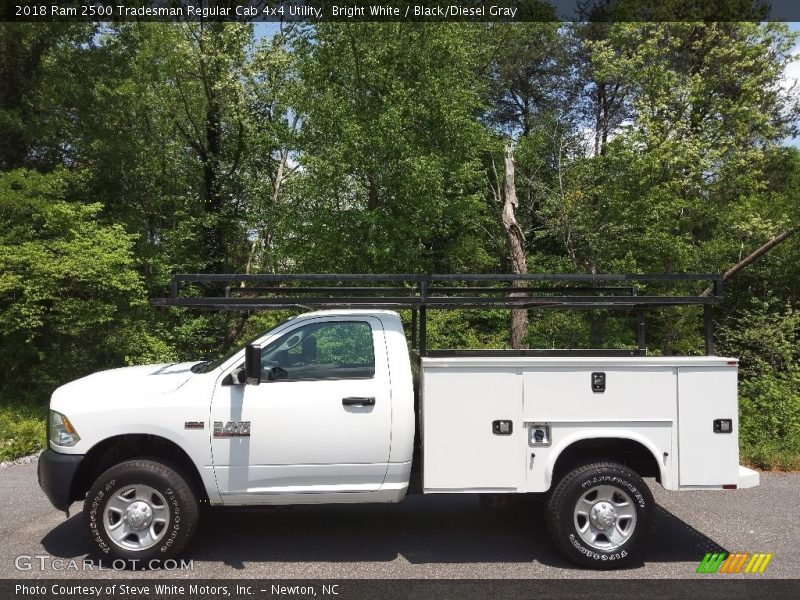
(326, 408)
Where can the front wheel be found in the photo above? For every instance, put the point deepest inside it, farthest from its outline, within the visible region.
(600, 515)
(140, 511)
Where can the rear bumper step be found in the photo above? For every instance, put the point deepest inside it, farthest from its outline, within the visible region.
(748, 478)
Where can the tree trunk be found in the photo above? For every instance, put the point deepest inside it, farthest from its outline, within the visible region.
(597, 329)
(516, 247)
(598, 119)
(373, 198)
(212, 193)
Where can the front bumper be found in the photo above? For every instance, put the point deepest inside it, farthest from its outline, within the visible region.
(56, 473)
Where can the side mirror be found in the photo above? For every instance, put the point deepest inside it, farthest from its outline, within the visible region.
(252, 364)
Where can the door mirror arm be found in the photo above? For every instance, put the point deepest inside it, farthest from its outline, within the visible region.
(238, 376)
(235, 377)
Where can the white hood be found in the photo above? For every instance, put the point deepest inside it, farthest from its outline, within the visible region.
(143, 380)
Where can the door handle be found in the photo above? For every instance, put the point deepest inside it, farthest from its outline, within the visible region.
(358, 401)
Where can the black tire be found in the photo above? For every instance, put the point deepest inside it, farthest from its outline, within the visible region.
(171, 490)
(564, 516)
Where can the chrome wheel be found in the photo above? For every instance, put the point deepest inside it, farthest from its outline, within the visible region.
(605, 517)
(136, 517)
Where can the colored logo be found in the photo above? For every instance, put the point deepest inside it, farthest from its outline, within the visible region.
(737, 562)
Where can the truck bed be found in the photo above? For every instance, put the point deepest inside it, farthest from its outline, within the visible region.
(479, 414)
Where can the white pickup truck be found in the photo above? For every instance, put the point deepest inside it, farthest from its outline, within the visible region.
(326, 408)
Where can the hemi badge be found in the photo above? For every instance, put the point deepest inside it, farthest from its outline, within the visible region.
(194, 425)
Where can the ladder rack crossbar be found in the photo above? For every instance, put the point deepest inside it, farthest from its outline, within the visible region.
(420, 292)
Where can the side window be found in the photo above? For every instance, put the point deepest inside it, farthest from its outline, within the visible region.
(333, 350)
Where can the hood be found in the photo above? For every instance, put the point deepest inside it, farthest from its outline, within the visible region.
(140, 381)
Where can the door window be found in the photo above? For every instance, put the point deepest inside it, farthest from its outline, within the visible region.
(332, 350)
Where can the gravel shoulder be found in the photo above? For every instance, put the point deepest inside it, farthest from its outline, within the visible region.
(22, 460)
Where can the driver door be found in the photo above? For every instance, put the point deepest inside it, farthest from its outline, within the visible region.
(318, 423)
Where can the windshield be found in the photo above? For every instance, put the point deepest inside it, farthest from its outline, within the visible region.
(209, 365)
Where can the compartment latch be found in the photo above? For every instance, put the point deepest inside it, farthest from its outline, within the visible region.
(502, 427)
(723, 425)
(598, 382)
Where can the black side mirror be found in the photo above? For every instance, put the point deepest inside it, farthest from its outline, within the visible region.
(252, 364)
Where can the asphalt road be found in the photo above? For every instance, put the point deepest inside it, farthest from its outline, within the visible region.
(422, 537)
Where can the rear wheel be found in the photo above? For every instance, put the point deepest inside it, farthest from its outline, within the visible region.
(140, 510)
(600, 515)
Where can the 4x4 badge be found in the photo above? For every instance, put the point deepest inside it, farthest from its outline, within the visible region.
(232, 429)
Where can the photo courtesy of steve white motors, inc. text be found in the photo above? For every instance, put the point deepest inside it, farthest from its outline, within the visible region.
(194, 590)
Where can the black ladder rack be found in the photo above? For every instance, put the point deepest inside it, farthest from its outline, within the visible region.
(626, 292)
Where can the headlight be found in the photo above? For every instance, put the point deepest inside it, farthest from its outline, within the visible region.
(62, 433)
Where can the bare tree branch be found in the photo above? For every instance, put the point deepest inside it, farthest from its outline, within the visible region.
(755, 255)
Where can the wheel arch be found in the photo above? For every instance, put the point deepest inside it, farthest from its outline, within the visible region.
(630, 448)
(118, 448)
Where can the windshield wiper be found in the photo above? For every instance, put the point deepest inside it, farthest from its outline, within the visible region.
(200, 367)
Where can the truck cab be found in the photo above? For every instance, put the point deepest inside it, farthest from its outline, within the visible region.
(331, 417)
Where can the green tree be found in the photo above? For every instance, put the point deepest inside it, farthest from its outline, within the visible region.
(41, 86)
(189, 129)
(71, 299)
(390, 150)
(686, 176)
(270, 161)
(172, 129)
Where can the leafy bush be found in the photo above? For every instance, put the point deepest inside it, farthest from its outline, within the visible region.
(768, 345)
(71, 301)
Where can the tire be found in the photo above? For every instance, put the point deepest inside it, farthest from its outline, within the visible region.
(600, 515)
(141, 512)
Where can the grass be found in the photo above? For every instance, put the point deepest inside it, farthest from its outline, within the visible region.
(22, 430)
(771, 456)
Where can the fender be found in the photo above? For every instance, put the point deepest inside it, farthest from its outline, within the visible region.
(607, 433)
(189, 447)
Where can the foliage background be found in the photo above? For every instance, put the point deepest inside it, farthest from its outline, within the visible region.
(133, 151)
